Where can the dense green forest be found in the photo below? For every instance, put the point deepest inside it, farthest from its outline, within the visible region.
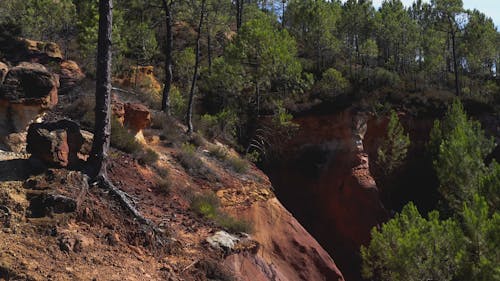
(255, 55)
(230, 62)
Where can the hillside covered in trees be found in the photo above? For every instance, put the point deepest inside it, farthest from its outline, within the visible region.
(378, 128)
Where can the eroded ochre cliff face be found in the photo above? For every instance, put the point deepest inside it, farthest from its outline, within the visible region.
(324, 179)
(328, 177)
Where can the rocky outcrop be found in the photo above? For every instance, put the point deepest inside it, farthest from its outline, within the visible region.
(27, 91)
(17, 49)
(141, 77)
(137, 118)
(56, 144)
(70, 75)
(118, 109)
(41, 51)
(324, 179)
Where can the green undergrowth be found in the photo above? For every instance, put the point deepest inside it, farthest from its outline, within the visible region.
(235, 163)
(208, 205)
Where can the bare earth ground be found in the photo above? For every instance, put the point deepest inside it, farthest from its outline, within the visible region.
(100, 240)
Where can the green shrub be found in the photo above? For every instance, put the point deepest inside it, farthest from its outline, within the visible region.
(459, 146)
(162, 172)
(218, 152)
(171, 130)
(122, 139)
(253, 156)
(164, 186)
(221, 125)
(379, 78)
(232, 224)
(158, 120)
(197, 140)
(238, 165)
(332, 84)
(147, 157)
(178, 104)
(411, 247)
(191, 161)
(392, 153)
(208, 205)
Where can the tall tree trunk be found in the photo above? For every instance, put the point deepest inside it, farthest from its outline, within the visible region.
(455, 63)
(189, 115)
(283, 14)
(102, 129)
(239, 14)
(209, 47)
(165, 102)
(257, 96)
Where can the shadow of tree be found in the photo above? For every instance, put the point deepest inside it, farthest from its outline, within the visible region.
(14, 170)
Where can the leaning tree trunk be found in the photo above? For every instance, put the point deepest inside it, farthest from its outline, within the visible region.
(189, 115)
(455, 63)
(165, 103)
(102, 129)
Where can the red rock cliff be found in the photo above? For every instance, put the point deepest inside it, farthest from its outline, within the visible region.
(325, 180)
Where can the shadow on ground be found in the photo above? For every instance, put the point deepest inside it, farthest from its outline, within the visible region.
(14, 170)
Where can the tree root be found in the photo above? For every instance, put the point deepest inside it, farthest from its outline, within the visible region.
(127, 203)
(159, 239)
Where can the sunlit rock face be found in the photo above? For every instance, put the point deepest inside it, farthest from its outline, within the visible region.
(280, 248)
(139, 77)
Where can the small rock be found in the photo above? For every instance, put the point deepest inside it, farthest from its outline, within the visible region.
(74, 242)
(222, 240)
(112, 238)
(57, 143)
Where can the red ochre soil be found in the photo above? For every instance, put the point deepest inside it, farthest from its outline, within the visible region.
(100, 240)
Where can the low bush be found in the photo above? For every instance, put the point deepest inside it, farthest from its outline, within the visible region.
(188, 158)
(237, 164)
(147, 156)
(208, 205)
(218, 152)
(232, 224)
(158, 120)
(197, 140)
(122, 139)
(164, 186)
(192, 163)
(171, 131)
(178, 104)
(221, 125)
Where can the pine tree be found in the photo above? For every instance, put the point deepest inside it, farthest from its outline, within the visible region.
(459, 147)
(102, 129)
(392, 153)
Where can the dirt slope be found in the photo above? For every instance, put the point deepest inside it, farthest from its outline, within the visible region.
(59, 228)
